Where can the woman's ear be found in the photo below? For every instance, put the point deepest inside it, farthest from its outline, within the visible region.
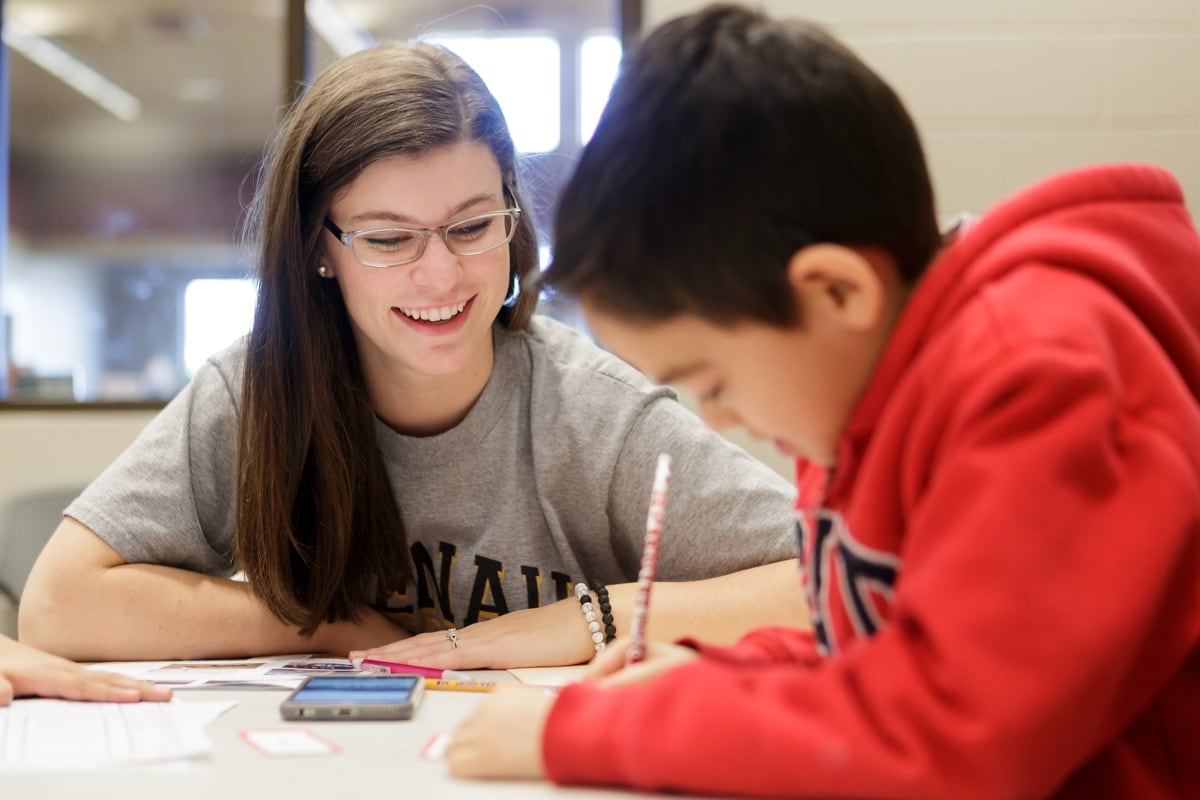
(324, 258)
(839, 283)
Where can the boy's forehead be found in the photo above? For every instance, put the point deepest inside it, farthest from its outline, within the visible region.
(666, 350)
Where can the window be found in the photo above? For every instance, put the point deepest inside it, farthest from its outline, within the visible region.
(599, 58)
(216, 311)
(116, 206)
(523, 74)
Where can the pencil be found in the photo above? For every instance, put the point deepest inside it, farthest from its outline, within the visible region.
(654, 521)
(380, 665)
(450, 685)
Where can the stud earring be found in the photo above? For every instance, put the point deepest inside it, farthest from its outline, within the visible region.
(323, 271)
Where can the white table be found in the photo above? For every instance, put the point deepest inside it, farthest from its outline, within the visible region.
(377, 760)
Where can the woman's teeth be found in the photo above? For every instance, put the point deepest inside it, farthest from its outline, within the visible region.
(434, 314)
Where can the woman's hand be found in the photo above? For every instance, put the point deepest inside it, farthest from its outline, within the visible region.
(553, 635)
(502, 738)
(609, 668)
(26, 671)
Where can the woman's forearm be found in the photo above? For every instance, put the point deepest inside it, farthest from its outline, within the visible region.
(717, 610)
(83, 602)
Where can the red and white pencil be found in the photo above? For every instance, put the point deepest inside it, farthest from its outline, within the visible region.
(654, 522)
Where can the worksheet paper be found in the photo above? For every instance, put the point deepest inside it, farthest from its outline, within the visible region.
(279, 672)
(40, 735)
(549, 676)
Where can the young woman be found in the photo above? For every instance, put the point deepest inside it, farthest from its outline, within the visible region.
(400, 446)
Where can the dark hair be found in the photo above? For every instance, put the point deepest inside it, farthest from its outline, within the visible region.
(729, 142)
(318, 531)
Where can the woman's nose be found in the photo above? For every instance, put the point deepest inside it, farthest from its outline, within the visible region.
(437, 267)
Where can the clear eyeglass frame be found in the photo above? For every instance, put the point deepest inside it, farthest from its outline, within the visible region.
(423, 235)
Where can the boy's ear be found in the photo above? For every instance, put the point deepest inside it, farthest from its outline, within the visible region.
(839, 283)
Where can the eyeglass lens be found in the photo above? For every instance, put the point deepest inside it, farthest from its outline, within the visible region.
(395, 246)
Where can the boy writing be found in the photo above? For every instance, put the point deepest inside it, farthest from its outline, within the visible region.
(997, 436)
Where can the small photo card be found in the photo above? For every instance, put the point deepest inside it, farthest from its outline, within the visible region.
(286, 742)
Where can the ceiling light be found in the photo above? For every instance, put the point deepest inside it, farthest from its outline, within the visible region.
(342, 35)
(70, 70)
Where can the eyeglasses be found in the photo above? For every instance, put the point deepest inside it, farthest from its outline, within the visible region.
(399, 245)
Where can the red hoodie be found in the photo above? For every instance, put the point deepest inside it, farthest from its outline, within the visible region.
(1004, 567)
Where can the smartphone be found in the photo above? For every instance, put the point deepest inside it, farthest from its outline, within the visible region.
(355, 697)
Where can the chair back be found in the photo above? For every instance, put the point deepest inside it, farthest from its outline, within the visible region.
(26, 521)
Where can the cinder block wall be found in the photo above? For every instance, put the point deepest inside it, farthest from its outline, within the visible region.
(1008, 91)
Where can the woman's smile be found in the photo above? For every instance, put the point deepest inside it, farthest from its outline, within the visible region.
(437, 320)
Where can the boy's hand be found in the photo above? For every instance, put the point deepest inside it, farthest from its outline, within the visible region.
(609, 668)
(25, 671)
(502, 738)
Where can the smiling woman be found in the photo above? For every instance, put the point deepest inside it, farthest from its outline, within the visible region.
(402, 446)
(114, 217)
(422, 315)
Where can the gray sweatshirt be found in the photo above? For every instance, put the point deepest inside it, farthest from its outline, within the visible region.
(544, 483)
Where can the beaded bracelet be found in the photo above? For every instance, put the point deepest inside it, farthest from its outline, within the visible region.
(589, 614)
(606, 616)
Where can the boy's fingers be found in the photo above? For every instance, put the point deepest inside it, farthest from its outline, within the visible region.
(610, 661)
(6, 691)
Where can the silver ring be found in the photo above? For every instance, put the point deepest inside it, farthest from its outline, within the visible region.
(452, 633)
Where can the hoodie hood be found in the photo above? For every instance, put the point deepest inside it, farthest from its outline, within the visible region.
(1125, 227)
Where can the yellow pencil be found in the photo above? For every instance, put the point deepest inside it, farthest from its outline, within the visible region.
(451, 685)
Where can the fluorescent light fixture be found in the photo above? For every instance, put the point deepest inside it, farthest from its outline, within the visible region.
(342, 35)
(71, 71)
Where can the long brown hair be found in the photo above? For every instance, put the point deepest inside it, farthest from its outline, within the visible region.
(318, 530)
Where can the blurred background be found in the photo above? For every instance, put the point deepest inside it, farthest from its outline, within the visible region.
(135, 128)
